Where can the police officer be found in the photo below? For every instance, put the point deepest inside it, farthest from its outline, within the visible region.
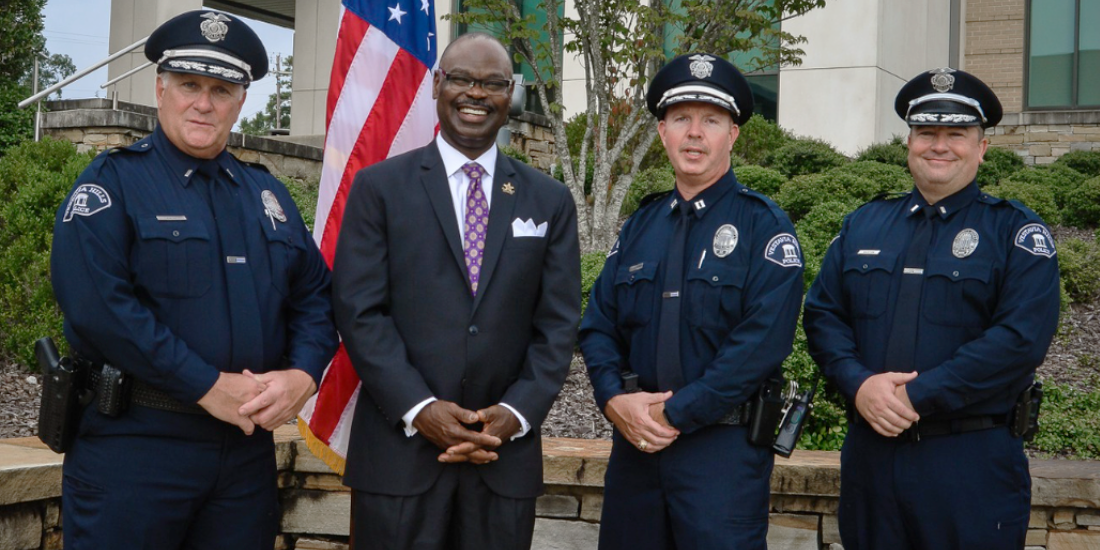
(195, 297)
(696, 307)
(930, 314)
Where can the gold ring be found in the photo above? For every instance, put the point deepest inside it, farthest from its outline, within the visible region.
(642, 444)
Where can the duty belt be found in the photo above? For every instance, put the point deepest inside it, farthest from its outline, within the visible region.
(931, 428)
(145, 395)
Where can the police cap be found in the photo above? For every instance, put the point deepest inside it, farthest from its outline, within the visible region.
(701, 77)
(948, 97)
(208, 43)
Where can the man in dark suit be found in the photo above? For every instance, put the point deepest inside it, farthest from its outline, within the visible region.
(457, 292)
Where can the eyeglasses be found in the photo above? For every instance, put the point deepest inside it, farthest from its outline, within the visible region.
(491, 87)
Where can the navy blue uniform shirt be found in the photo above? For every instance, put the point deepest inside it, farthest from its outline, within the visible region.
(988, 306)
(739, 306)
(138, 272)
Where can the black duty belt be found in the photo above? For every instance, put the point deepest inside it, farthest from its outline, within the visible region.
(932, 428)
(739, 416)
(147, 396)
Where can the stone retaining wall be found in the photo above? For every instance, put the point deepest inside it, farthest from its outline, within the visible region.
(316, 506)
(1042, 137)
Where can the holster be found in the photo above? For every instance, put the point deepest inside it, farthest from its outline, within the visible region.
(63, 397)
(1024, 418)
(766, 412)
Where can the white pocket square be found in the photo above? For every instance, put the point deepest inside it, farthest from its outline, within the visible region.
(528, 228)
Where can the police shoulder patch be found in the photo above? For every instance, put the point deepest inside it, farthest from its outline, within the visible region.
(1036, 239)
(87, 199)
(784, 250)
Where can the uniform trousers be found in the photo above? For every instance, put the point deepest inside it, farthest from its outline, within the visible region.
(709, 489)
(162, 493)
(967, 491)
(458, 512)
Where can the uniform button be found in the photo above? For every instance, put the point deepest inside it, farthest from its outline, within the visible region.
(715, 278)
(473, 330)
(632, 278)
(175, 233)
(864, 266)
(955, 273)
(744, 190)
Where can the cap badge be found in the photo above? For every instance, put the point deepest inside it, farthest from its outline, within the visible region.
(942, 80)
(965, 243)
(272, 208)
(214, 28)
(725, 240)
(701, 66)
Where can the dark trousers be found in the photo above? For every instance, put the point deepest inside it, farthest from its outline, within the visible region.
(459, 512)
(710, 489)
(160, 493)
(963, 491)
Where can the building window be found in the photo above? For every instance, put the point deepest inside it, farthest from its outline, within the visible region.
(1063, 69)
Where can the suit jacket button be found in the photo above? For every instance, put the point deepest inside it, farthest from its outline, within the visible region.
(473, 330)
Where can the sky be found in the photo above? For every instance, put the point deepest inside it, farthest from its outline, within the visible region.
(79, 29)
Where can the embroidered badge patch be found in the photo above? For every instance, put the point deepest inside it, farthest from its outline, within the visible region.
(965, 243)
(784, 250)
(87, 199)
(725, 240)
(1036, 239)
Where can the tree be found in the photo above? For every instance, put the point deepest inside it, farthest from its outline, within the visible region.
(20, 41)
(621, 44)
(53, 68)
(264, 121)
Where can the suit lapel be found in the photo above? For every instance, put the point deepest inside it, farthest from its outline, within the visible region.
(500, 220)
(434, 178)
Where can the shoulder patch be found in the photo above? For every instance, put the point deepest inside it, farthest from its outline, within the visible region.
(1036, 239)
(653, 197)
(784, 250)
(87, 200)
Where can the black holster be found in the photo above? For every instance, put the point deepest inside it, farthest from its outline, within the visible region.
(766, 412)
(63, 397)
(1024, 418)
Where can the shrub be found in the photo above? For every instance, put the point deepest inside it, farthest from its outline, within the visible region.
(826, 428)
(1035, 196)
(1067, 421)
(816, 231)
(1082, 205)
(651, 180)
(893, 152)
(591, 265)
(998, 165)
(804, 156)
(888, 177)
(802, 193)
(1079, 264)
(1085, 162)
(304, 193)
(516, 154)
(34, 179)
(760, 179)
(759, 136)
(1062, 179)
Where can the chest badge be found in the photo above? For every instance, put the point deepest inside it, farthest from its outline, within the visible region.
(272, 207)
(725, 240)
(965, 243)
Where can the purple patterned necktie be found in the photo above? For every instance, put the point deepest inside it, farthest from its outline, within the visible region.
(477, 221)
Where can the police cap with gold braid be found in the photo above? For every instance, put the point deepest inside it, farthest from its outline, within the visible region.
(208, 43)
(948, 97)
(704, 78)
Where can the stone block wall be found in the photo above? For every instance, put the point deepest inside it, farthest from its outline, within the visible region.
(1042, 137)
(316, 506)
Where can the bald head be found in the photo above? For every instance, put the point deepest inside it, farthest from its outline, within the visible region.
(474, 36)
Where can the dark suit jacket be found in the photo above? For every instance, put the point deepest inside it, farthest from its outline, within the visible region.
(412, 329)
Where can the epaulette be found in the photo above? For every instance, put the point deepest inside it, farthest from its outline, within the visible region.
(256, 165)
(653, 197)
(768, 202)
(890, 195)
(990, 199)
(143, 145)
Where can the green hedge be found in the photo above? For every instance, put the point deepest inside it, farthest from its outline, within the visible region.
(998, 165)
(759, 136)
(804, 156)
(304, 193)
(888, 178)
(34, 179)
(646, 182)
(1082, 205)
(1085, 162)
(798, 196)
(1036, 196)
(760, 179)
(894, 153)
(591, 265)
(1079, 265)
(1067, 418)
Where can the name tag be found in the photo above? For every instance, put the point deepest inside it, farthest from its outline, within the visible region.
(636, 267)
(168, 218)
(913, 271)
(235, 260)
(868, 252)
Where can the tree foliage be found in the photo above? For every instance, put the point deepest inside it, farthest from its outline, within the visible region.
(263, 121)
(621, 45)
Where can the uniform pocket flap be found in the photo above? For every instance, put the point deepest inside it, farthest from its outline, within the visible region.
(959, 269)
(641, 271)
(720, 275)
(280, 233)
(866, 263)
(175, 231)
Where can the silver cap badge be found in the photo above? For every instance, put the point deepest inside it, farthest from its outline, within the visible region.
(965, 243)
(725, 240)
(214, 28)
(272, 207)
(701, 65)
(942, 80)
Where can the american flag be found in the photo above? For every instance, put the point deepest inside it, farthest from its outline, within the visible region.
(379, 105)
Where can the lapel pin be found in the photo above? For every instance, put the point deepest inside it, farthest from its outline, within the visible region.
(508, 188)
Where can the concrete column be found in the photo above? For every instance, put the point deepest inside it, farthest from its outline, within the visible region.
(132, 20)
(859, 55)
(316, 25)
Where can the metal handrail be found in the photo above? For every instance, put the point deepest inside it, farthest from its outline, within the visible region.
(82, 73)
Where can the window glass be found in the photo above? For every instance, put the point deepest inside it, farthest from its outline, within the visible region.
(1050, 67)
(1088, 55)
(765, 93)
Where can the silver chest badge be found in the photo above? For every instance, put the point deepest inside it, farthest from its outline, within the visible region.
(272, 207)
(965, 243)
(701, 65)
(725, 240)
(214, 28)
(942, 80)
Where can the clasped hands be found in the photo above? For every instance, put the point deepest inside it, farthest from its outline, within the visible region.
(444, 423)
(640, 417)
(267, 400)
(884, 403)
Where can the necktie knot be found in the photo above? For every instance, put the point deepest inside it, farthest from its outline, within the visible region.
(473, 170)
